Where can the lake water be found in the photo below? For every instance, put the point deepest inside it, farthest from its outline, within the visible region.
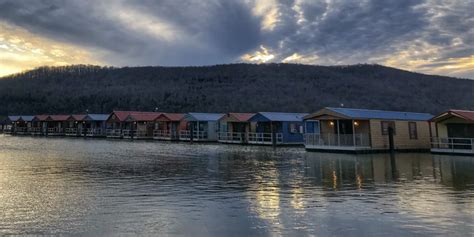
(102, 187)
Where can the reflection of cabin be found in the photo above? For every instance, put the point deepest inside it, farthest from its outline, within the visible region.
(347, 129)
(200, 127)
(276, 128)
(75, 125)
(454, 132)
(168, 126)
(234, 127)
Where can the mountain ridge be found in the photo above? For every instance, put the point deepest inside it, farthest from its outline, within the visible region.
(230, 88)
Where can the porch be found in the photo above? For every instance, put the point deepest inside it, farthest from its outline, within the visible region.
(452, 145)
(187, 135)
(165, 135)
(232, 137)
(264, 138)
(340, 134)
(114, 133)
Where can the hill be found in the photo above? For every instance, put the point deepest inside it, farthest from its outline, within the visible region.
(235, 87)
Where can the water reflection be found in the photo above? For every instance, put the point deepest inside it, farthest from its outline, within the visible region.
(90, 187)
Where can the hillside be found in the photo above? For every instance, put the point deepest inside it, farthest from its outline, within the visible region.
(236, 87)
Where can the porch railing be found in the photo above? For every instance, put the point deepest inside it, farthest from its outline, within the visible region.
(329, 139)
(55, 130)
(197, 135)
(94, 132)
(71, 131)
(165, 134)
(114, 133)
(264, 138)
(127, 133)
(34, 130)
(235, 137)
(21, 130)
(453, 144)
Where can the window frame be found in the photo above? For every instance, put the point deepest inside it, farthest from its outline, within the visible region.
(385, 132)
(415, 135)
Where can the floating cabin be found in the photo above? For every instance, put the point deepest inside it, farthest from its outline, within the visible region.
(454, 132)
(131, 124)
(56, 124)
(200, 127)
(363, 130)
(168, 126)
(40, 125)
(275, 128)
(75, 125)
(95, 125)
(234, 128)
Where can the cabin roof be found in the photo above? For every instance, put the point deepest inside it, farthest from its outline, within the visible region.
(14, 118)
(42, 117)
(27, 118)
(143, 116)
(241, 117)
(78, 117)
(464, 114)
(59, 117)
(374, 114)
(96, 117)
(203, 116)
(171, 116)
(278, 117)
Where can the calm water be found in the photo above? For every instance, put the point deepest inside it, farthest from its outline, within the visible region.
(101, 187)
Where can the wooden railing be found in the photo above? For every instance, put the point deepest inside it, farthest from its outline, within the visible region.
(452, 144)
(264, 138)
(338, 140)
(71, 131)
(55, 130)
(232, 137)
(197, 135)
(116, 133)
(90, 132)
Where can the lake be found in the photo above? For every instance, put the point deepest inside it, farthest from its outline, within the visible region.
(105, 187)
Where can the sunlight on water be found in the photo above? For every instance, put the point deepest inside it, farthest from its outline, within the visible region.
(102, 187)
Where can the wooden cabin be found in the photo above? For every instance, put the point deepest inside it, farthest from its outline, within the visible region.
(115, 123)
(40, 125)
(275, 128)
(12, 124)
(234, 128)
(74, 125)
(131, 124)
(56, 125)
(353, 130)
(141, 125)
(453, 132)
(168, 126)
(201, 127)
(95, 125)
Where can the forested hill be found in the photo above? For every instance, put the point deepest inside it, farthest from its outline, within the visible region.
(235, 87)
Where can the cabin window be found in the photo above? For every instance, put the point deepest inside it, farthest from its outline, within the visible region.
(294, 128)
(412, 130)
(386, 125)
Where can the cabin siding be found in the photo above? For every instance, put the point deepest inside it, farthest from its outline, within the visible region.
(402, 137)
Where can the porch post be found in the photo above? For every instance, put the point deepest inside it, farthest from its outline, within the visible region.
(338, 136)
(353, 134)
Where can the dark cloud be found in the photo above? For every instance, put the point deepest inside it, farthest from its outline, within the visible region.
(220, 31)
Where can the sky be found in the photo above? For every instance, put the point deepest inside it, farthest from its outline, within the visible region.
(428, 36)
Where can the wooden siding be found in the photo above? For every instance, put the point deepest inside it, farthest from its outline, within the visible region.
(402, 137)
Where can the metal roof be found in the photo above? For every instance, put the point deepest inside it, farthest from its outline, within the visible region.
(170, 117)
(59, 118)
(96, 117)
(279, 116)
(27, 118)
(381, 114)
(203, 116)
(465, 114)
(14, 118)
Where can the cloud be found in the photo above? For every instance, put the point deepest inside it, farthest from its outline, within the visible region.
(421, 35)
